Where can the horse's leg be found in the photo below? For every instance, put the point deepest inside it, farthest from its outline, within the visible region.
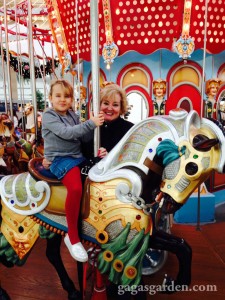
(165, 241)
(3, 294)
(53, 255)
(80, 272)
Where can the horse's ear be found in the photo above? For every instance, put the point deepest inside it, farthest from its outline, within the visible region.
(203, 143)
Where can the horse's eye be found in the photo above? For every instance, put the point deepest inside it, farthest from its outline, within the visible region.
(199, 140)
(203, 143)
(191, 168)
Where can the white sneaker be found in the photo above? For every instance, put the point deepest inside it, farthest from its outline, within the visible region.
(77, 250)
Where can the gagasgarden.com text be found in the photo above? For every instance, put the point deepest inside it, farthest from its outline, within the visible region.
(153, 289)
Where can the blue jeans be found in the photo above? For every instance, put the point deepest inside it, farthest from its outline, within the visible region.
(62, 164)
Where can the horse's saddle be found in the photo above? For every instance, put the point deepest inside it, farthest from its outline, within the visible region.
(38, 172)
(58, 191)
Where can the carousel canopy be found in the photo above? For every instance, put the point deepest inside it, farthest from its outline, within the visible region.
(141, 25)
(124, 25)
(15, 31)
(18, 43)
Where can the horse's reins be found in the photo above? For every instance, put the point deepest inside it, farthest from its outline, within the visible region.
(153, 166)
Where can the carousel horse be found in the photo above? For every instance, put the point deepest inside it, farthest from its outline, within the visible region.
(19, 151)
(6, 136)
(6, 128)
(3, 166)
(30, 123)
(149, 174)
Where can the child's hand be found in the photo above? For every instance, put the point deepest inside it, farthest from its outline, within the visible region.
(98, 120)
(102, 152)
(46, 163)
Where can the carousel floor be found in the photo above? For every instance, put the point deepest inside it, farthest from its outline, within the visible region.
(38, 280)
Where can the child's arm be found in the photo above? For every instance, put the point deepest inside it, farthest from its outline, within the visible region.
(51, 122)
(98, 121)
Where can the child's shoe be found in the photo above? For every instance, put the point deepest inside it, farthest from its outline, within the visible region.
(77, 250)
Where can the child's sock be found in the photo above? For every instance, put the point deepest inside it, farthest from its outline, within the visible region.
(72, 181)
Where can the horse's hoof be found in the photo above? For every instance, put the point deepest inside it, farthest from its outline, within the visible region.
(4, 295)
(75, 295)
(168, 286)
(6, 263)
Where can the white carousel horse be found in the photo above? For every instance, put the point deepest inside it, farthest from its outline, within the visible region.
(6, 128)
(6, 137)
(30, 122)
(2, 162)
(151, 172)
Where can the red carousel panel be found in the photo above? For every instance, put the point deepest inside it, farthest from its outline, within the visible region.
(143, 25)
(215, 35)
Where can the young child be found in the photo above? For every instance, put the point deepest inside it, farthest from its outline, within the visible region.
(62, 134)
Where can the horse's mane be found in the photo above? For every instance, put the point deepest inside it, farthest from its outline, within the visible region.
(219, 124)
(169, 151)
(2, 128)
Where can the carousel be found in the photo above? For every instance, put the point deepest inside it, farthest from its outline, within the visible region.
(163, 177)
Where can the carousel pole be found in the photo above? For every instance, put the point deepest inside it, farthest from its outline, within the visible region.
(20, 72)
(198, 227)
(18, 46)
(99, 289)
(53, 60)
(3, 69)
(8, 62)
(31, 60)
(204, 56)
(78, 62)
(44, 61)
(95, 67)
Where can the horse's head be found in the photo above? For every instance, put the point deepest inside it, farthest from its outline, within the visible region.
(190, 162)
(165, 159)
(22, 144)
(5, 120)
(29, 108)
(6, 125)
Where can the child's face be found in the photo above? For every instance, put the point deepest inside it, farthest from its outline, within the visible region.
(61, 100)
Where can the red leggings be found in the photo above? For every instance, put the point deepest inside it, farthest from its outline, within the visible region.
(72, 181)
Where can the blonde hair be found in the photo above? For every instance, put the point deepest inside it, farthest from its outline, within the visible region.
(110, 91)
(216, 82)
(158, 83)
(65, 85)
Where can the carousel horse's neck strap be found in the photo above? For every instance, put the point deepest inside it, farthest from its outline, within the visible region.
(153, 166)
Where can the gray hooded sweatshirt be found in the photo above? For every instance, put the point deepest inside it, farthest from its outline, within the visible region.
(63, 135)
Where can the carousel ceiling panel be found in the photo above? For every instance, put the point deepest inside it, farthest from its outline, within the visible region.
(15, 29)
(215, 30)
(17, 13)
(142, 25)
